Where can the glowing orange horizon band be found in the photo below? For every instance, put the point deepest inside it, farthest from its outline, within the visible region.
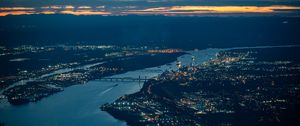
(86, 12)
(234, 9)
(159, 10)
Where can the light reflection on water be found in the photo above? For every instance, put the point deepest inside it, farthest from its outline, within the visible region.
(79, 104)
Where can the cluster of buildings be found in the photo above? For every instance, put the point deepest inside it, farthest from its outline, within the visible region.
(86, 62)
(235, 83)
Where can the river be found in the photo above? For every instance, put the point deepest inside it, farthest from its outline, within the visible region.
(79, 104)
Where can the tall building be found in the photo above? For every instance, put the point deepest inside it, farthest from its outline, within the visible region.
(193, 60)
(178, 64)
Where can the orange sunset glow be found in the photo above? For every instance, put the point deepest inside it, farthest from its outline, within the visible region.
(233, 9)
(16, 13)
(87, 12)
(180, 10)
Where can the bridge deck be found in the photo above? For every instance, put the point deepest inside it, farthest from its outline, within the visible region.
(123, 79)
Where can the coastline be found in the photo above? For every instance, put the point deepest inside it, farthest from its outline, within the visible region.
(124, 107)
(47, 91)
(27, 111)
(206, 55)
(87, 95)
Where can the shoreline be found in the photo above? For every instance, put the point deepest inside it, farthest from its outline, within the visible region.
(92, 100)
(79, 88)
(171, 57)
(131, 118)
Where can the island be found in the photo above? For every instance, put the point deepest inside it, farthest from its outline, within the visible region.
(92, 62)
